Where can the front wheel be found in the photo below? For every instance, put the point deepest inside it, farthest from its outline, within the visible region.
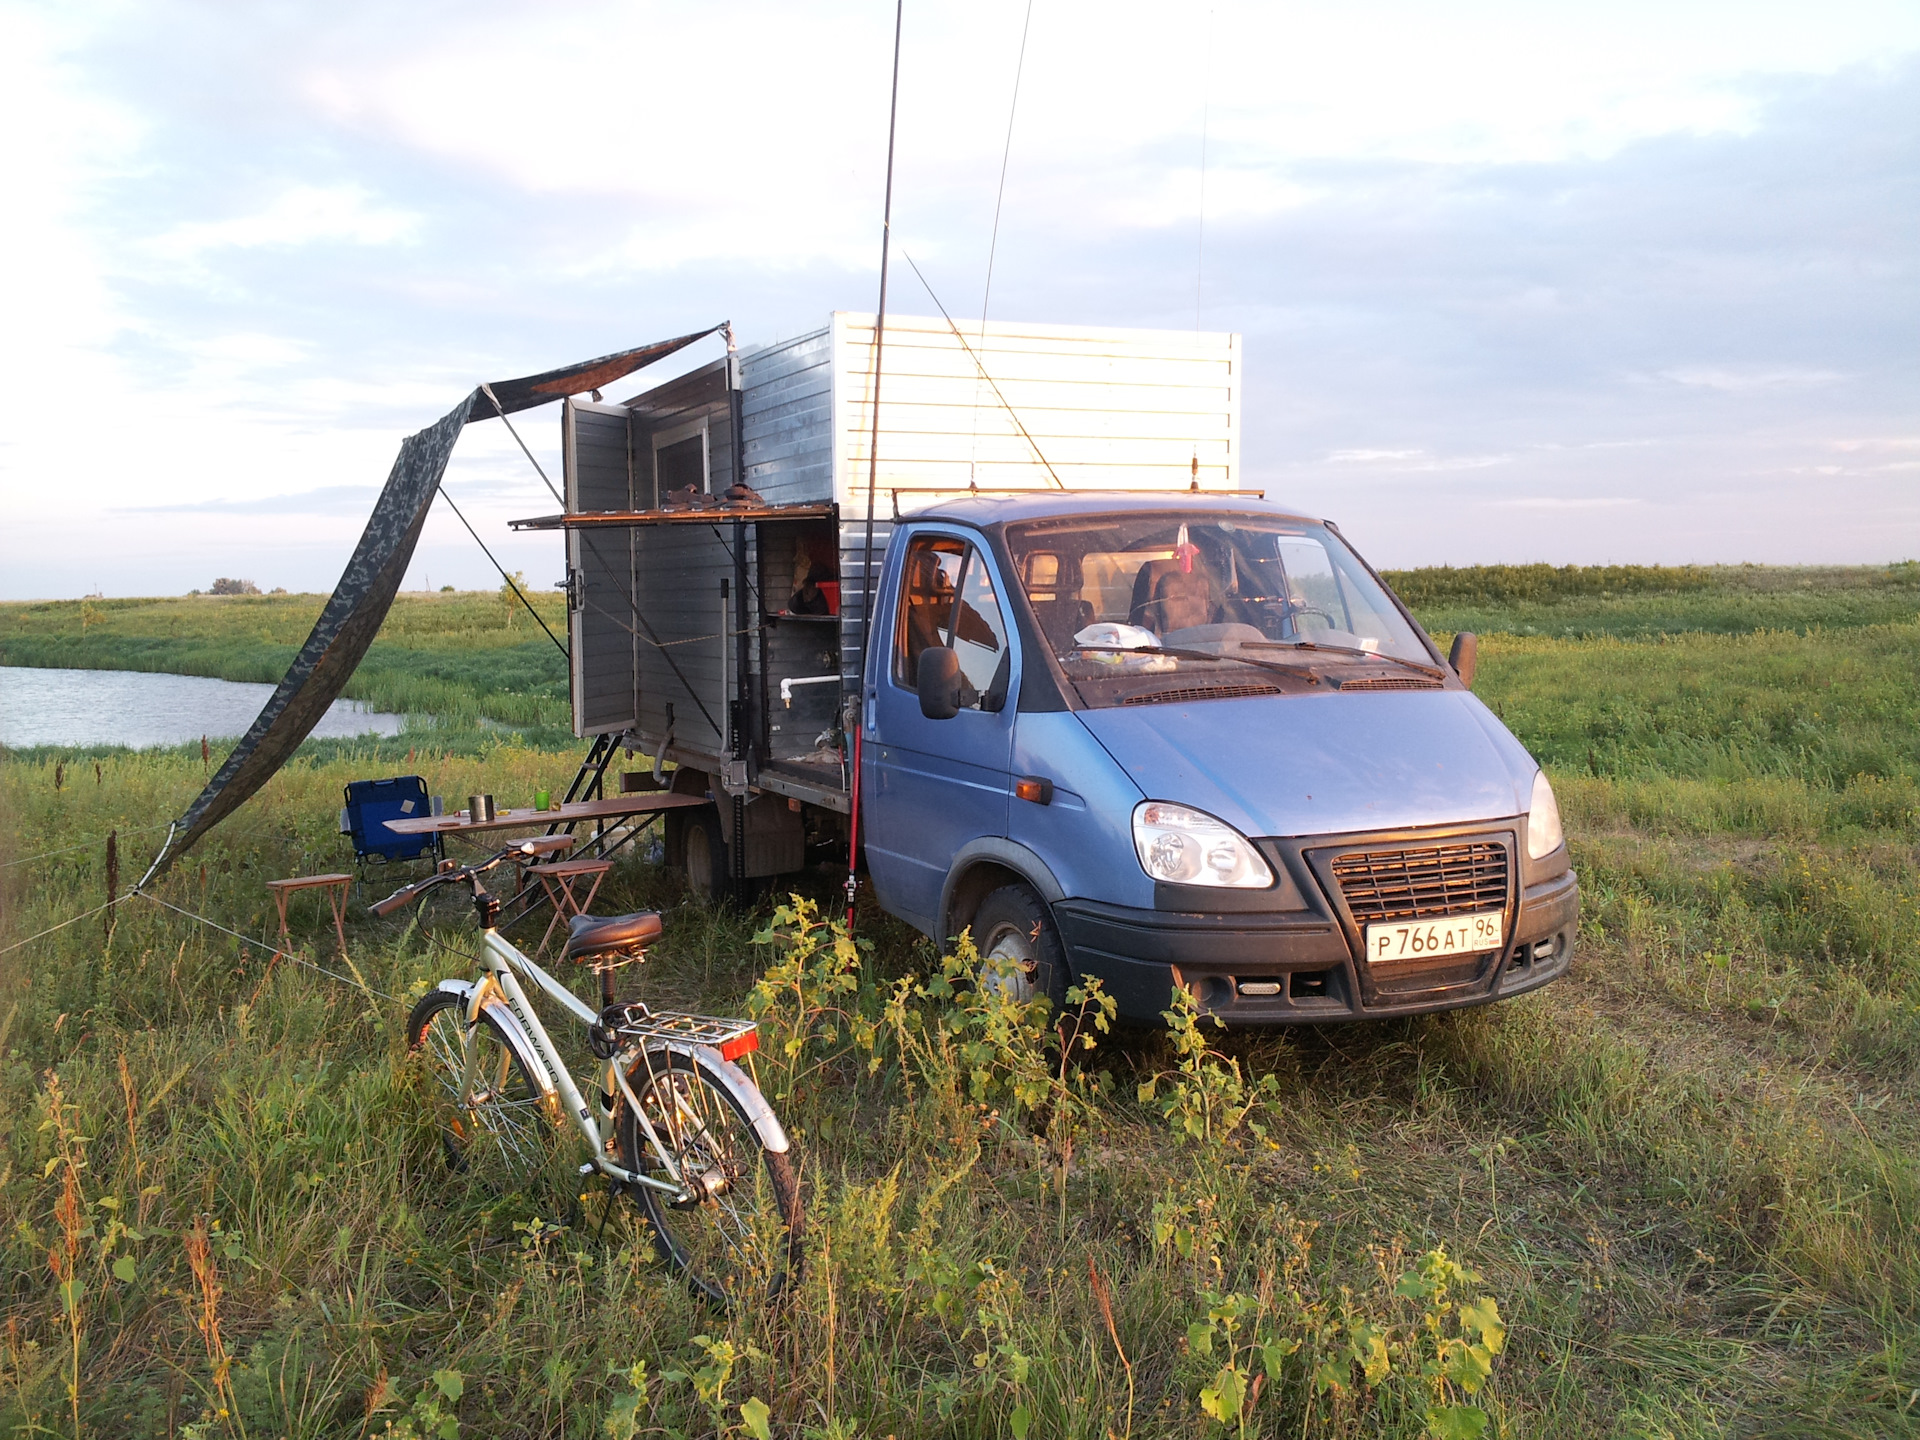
(493, 1116)
(737, 1238)
(1013, 929)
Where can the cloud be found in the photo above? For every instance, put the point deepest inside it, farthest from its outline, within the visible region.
(1567, 502)
(327, 500)
(1652, 253)
(1415, 461)
(1750, 377)
(300, 215)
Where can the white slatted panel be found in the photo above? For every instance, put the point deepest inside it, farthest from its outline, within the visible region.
(1124, 409)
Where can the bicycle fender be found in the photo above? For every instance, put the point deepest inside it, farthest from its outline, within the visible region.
(759, 1114)
(516, 1032)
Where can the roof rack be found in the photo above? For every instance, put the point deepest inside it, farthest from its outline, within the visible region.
(898, 490)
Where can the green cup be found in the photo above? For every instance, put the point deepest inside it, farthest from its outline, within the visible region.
(542, 800)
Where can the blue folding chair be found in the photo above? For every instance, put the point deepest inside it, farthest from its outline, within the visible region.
(370, 804)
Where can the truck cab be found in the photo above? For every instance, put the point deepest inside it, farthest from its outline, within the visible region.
(1194, 741)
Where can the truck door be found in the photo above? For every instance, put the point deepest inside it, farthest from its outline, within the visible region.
(930, 786)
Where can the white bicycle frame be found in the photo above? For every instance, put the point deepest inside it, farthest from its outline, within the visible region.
(499, 992)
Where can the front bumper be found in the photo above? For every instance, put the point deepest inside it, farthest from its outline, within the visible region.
(1257, 968)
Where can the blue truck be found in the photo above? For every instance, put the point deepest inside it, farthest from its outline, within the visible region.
(1167, 731)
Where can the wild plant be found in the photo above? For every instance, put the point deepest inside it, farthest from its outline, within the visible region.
(434, 1414)
(70, 1214)
(711, 1380)
(198, 1244)
(1412, 1343)
(809, 997)
(1205, 1097)
(623, 1414)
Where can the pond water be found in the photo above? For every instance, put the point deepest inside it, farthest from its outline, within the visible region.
(137, 709)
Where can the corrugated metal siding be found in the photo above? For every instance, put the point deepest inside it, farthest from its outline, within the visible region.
(595, 453)
(853, 606)
(1126, 409)
(788, 419)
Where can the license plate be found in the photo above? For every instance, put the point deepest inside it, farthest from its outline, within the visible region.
(1425, 939)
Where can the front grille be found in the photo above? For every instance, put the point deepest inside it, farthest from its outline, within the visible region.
(1393, 682)
(1436, 880)
(1201, 692)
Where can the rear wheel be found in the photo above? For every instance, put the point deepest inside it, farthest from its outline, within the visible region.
(496, 1129)
(739, 1241)
(1012, 927)
(703, 852)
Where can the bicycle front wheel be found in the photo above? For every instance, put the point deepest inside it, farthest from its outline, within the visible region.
(494, 1122)
(738, 1238)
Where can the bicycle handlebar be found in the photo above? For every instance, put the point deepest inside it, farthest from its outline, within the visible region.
(407, 894)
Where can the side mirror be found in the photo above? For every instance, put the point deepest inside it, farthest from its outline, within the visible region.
(1465, 651)
(938, 681)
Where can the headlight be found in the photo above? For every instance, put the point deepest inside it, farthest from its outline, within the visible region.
(1544, 834)
(1189, 847)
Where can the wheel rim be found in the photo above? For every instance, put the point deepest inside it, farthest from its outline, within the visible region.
(736, 1243)
(1017, 964)
(501, 1132)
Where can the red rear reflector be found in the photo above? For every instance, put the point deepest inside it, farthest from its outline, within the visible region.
(740, 1045)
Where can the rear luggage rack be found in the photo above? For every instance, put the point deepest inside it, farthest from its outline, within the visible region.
(635, 1021)
(1423, 882)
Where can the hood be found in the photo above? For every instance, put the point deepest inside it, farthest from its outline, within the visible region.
(1294, 765)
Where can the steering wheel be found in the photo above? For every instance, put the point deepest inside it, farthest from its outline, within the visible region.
(1291, 610)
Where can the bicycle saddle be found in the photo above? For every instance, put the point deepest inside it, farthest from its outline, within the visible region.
(592, 935)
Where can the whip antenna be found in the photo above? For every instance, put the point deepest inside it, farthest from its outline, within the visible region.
(873, 475)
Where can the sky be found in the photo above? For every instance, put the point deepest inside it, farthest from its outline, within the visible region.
(1582, 283)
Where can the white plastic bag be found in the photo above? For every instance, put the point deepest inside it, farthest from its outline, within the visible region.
(1111, 636)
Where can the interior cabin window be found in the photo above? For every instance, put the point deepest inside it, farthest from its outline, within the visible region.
(683, 463)
(947, 598)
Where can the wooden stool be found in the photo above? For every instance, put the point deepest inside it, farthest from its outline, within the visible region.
(337, 888)
(545, 848)
(558, 880)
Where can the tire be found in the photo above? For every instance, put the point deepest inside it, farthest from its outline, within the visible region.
(744, 1246)
(703, 853)
(505, 1137)
(1013, 923)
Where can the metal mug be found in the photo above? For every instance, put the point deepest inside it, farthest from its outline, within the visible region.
(479, 808)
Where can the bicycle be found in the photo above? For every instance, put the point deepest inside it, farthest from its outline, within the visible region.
(673, 1124)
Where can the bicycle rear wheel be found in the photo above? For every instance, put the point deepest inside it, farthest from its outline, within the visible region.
(740, 1242)
(499, 1131)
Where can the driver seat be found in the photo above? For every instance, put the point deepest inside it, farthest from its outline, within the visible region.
(595, 937)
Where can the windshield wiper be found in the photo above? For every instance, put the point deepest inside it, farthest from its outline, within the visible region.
(1430, 671)
(1180, 654)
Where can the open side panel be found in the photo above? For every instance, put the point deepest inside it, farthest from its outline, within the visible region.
(597, 451)
(686, 676)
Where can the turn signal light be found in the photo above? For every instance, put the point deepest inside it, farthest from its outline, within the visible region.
(1032, 787)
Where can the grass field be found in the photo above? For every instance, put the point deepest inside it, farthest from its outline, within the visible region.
(1686, 1174)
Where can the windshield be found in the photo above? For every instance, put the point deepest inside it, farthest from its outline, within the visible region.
(1250, 600)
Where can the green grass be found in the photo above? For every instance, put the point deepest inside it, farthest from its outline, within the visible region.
(1687, 1172)
(1640, 601)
